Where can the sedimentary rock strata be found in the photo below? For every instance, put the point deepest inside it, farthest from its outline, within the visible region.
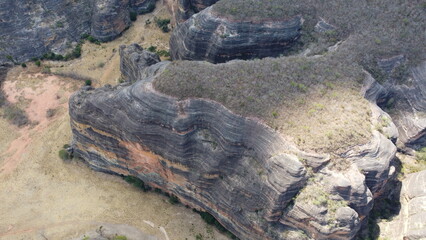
(247, 175)
(214, 38)
(184, 9)
(33, 28)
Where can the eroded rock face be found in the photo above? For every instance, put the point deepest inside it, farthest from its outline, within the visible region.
(409, 224)
(134, 62)
(184, 9)
(206, 36)
(404, 98)
(110, 18)
(142, 6)
(32, 28)
(238, 169)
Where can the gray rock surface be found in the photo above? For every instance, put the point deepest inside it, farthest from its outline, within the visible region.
(206, 36)
(404, 98)
(238, 169)
(109, 19)
(32, 28)
(134, 61)
(183, 9)
(142, 6)
(410, 224)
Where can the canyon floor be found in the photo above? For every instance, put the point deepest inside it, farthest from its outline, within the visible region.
(45, 197)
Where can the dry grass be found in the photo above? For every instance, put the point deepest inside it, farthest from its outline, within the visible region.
(101, 63)
(378, 28)
(315, 103)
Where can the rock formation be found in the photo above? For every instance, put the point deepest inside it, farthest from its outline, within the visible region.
(32, 28)
(142, 6)
(215, 38)
(244, 173)
(409, 224)
(109, 19)
(184, 9)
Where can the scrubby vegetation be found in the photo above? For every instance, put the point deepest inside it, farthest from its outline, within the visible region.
(14, 114)
(374, 29)
(163, 24)
(297, 96)
(63, 153)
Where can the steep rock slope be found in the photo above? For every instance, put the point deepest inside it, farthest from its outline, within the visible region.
(208, 36)
(247, 175)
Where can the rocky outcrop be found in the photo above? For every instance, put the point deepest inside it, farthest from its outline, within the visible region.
(247, 175)
(403, 95)
(183, 9)
(208, 36)
(142, 6)
(134, 62)
(409, 224)
(109, 19)
(32, 28)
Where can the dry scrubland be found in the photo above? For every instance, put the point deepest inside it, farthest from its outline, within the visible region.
(44, 197)
(101, 62)
(314, 100)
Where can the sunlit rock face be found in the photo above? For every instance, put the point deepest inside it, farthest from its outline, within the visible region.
(207, 36)
(246, 174)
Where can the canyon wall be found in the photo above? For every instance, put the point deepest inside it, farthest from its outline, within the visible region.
(211, 37)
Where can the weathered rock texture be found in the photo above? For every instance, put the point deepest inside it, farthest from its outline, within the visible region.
(238, 169)
(410, 223)
(207, 36)
(110, 18)
(184, 9)
(134, 62)
(32, 28)
(142, 6)
(403, 95)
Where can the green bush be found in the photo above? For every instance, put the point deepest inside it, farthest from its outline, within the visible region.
(38, 63)
(88, 82)
(163, 24)
(23, 65)
(133, 16)
(136, 182)
(63, 154)
(173, 199)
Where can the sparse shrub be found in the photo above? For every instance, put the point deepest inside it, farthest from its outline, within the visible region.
(163, 53)
(101, 65)
(63, 154)
(88, 82)
(23, 65)
(173, 199)
(199, 236)
(38, 63)
(163, 24)
(15, 115)
(133, 16)
(50, 112)
(136, 182)
(152, 48)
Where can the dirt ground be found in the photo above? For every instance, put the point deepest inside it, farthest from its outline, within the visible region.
(44, 197)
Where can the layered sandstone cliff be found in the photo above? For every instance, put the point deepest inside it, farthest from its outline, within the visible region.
(247, 175)
(32, 28)
(215, 38)
(183, 9)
